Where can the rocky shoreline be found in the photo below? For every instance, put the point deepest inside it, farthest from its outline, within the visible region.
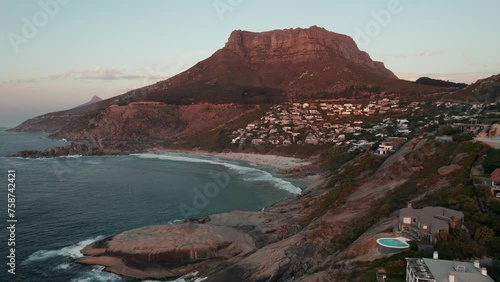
(79, 148)
(212, 246)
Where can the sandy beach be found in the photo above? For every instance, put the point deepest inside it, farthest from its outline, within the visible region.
(274, 161)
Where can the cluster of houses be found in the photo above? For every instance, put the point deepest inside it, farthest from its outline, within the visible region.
(359, 125)
(322, 123)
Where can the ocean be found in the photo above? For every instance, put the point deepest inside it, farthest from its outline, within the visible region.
(62, 204)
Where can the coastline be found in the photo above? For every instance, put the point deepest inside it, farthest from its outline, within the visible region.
(273, 161)
(223, 239)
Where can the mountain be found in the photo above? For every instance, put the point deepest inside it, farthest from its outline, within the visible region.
(440, 83)
(253, 68)
(93, 100)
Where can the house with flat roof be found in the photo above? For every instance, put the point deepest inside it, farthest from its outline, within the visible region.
(390, 144)
(436, 270)
(495, 183)
(425, 223)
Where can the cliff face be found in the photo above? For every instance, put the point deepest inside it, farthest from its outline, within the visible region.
(301, 45)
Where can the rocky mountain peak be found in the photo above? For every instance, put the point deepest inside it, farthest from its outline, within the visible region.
(298, 45)
(93, 100)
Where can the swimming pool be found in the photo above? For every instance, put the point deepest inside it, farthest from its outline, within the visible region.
(392, 245)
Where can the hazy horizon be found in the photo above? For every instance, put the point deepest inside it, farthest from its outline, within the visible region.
(58, 54)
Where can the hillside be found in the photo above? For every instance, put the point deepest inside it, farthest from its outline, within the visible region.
(483, 90)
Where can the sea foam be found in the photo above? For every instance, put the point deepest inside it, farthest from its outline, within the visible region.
(97, 274)
(72, 251)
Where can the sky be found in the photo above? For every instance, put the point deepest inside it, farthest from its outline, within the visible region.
(57, 54)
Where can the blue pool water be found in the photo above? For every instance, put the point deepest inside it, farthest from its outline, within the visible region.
(392, 242)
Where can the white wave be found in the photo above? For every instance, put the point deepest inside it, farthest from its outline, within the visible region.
(63, 266)
(93, 162)
(250, 173)
(175, 221)
(72, 251)
(188, 276)
(71, 156)
(96, 274)
(51, 158)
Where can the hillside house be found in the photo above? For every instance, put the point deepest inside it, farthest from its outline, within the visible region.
(390, 144)
(426, 223)
(495, 183)
(472, 126)
(436, 270)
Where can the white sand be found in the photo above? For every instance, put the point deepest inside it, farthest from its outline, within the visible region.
(273, 161)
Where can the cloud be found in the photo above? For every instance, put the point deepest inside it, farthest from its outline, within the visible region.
(100, 73)
(425, 53)
(19, 81)
(64, 75)
(154, 73)
(131, 77)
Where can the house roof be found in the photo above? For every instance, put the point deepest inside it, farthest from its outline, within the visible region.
(495, 176)
(441, 269)
(437, 217)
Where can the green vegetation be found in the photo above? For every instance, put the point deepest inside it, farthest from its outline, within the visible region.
(491, 161)
(332, 160)
(463, 137)
(483, 236)
(447, 130)
(440, 83)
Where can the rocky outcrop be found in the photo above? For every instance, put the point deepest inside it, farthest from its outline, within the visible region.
(71, 150)
(181, 248)
(445, 170)
(205, 245)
